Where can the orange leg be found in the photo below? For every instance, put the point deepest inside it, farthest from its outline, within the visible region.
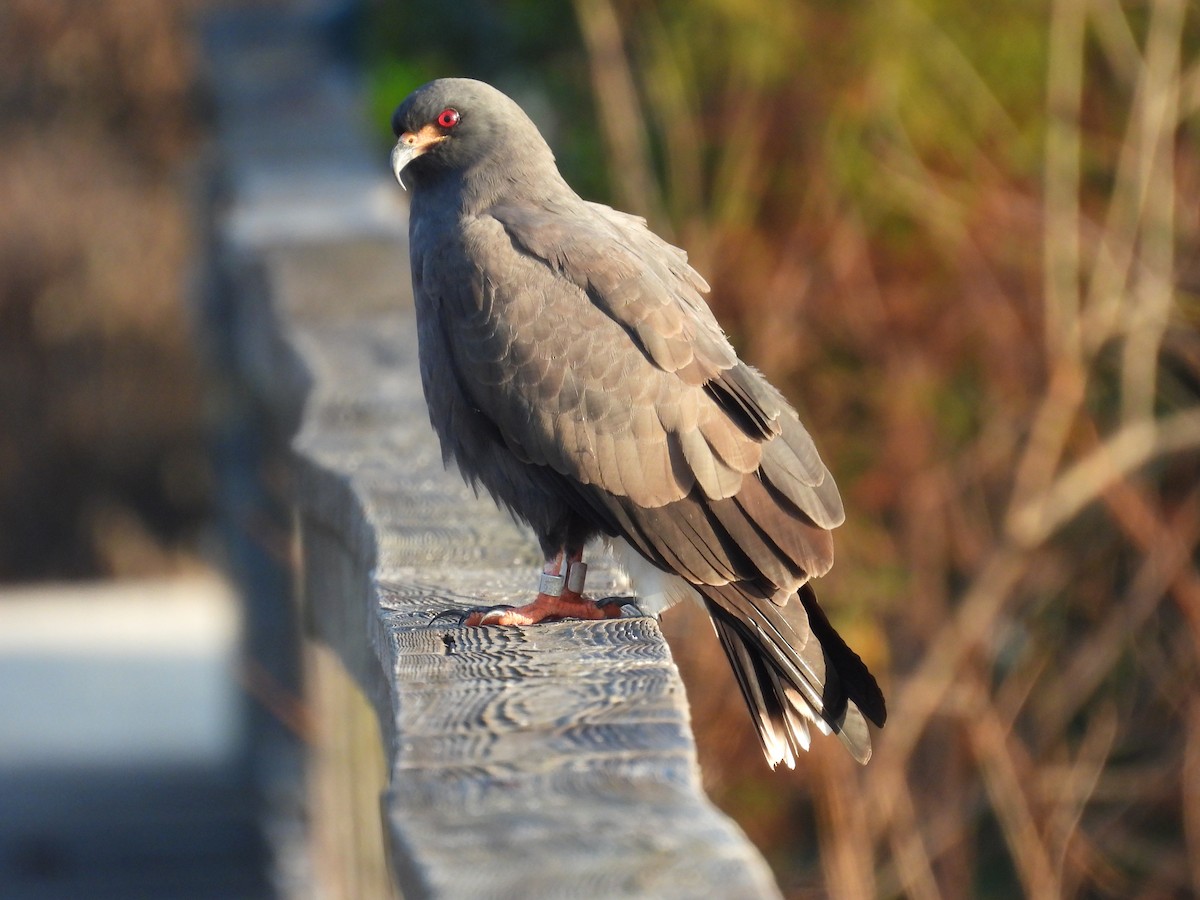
(567, 603)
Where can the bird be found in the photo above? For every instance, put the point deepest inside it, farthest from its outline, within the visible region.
(573, 370)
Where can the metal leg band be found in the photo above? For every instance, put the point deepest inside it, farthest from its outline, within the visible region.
(551, 585)
(576, 575)
(572, 579)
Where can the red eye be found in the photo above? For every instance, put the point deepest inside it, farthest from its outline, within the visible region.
(448, 118)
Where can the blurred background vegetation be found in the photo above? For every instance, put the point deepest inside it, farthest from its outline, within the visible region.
(966, 240)
(102, 461)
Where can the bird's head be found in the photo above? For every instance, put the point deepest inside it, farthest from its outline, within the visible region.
(458, 125)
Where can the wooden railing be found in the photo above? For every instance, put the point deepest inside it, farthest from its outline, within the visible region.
(555, 761)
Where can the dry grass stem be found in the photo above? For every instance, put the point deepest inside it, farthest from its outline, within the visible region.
(1005, 770)
(1086, 481)
(1069, 794)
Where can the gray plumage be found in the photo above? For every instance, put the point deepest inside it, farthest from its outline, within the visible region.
(573, 369)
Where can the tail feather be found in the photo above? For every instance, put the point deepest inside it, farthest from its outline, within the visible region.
(857, 680)
(754, 680)
(794, 671)
(795, 720)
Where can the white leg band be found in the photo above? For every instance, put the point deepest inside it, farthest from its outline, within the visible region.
(551, 585)
(576, 575)
(572, 580)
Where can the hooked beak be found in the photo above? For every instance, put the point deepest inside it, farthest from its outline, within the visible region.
(402, 155)
(410, 145)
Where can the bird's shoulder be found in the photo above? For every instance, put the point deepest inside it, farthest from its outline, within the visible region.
(631, 275)
(597, 245)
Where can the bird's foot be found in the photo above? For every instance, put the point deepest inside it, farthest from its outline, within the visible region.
(462, 615)
(560, 596)
(545, 608)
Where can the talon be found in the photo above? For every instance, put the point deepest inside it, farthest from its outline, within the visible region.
(545, 608)
(464, 616)
(492, 616)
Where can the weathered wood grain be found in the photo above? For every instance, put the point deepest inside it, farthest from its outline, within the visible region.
(554, 761)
